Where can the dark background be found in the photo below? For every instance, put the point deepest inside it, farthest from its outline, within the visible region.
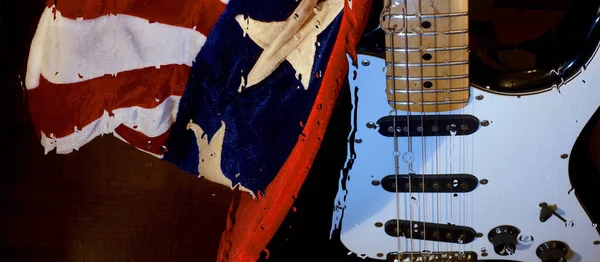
(110, 202)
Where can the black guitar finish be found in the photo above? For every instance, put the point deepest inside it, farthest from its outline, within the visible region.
(584, 176)
(545, 60)
(305, 234)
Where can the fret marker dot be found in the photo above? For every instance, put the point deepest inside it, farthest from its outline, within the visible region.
(427, 84)
(427, 56)
(426, 24)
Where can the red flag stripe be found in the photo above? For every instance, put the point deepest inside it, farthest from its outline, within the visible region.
(67, 116)
(144, 128)
(60, 109)
(202, 14)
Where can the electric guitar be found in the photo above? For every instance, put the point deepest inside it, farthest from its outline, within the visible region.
(445, 168)
(458, 146)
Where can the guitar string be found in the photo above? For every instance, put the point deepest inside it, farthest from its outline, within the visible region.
(453, 133)
(469, 137)
(391, 30)
(437, 159)
(423, 143)
(409, 154)
(464, 195)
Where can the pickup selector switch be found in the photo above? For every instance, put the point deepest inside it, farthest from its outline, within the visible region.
(552, 251)
(504, 239)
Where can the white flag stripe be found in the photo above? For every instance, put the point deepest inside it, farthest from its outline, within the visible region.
(66, 51)
(152, 122)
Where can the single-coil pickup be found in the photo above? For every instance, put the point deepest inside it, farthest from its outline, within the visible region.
(453, 183)
(448, 233)
(427, 125)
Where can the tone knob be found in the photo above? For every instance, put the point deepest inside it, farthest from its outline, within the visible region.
(504, 239)
(552, 251)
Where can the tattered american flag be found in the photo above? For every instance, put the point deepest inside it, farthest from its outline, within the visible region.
(238, 92)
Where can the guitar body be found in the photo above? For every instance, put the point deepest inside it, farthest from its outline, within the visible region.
(495, 186)
(523, 154)
(518, 154)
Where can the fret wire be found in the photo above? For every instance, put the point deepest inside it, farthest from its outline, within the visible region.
(428, 78)
(449, 32)
(462, 101)
(434, 49)
(426, 16)
(449, 63)
(434, 91)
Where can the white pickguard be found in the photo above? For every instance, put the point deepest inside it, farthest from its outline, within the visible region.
(519, 153)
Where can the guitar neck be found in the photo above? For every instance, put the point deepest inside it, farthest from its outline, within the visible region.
(427, 54)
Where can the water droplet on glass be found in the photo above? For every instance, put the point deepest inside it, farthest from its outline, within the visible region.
(447, 94)
(156, 100)
(317, 24)
(316, 9)
(391, 129)
(416, 227)
(594, 225)
(408, 157)
(396, 153)
(405, 129)
(417, 30)
(461, 239)
(455, 183)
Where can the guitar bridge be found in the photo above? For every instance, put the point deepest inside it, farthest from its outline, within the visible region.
(467, 256)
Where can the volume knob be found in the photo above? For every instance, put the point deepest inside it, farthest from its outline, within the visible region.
(552, 251)
(504, 239)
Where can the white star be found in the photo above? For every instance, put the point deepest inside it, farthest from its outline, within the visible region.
(209, 160)
(294, 39)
